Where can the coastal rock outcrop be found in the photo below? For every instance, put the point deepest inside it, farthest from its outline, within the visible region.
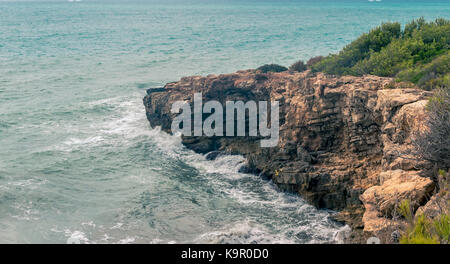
(342, 139)
(382, 201)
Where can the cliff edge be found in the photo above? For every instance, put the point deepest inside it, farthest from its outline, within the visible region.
(342, 140)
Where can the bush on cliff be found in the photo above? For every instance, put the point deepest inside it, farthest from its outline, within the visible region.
(432, 143)
(314, 60)
(299, 66)
(430, 76)
(360, 49)
(272, 68)
(427, 227)
(424, 230)
(419, 53)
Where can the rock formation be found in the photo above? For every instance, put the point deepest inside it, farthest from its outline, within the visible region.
(342, 139)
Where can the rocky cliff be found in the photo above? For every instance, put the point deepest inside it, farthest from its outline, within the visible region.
(342, 139)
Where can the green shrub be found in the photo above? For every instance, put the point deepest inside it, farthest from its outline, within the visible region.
(423, 230)
(419, 54)
(405, 210)
(428, 231)
(359, 49)
(429, 76)
(313, 61)
(442, 227)
(272, 68)
(299, 66)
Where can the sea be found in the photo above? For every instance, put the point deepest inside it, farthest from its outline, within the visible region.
(79, 162)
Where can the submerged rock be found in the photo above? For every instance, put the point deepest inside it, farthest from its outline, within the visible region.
(213, 155)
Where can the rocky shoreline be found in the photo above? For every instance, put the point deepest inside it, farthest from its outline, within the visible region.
(342, 140)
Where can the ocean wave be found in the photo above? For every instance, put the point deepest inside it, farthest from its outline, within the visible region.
(261, 195)
(258, 211)
(244, 232)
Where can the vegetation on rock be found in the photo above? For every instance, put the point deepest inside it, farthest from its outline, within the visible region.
(299, 66)
(272, 68)
(422, 229)
(433, 142)
(419, 53)
(313, 61)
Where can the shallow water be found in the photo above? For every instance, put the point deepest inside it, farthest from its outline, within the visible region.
(78, 160)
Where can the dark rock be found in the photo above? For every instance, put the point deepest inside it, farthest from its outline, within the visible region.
(155, 90)
(245, 169)
(213, 155)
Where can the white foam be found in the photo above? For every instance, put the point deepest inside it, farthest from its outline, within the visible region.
(117, 226)
(128, 122)
(244, 232)
(127, 240)
(318, 229)
(90, 224)
(25, 211)
(76, 237)
(91, 141)
(29, 183)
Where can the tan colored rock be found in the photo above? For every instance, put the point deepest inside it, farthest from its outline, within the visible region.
(395, 186)
(376, 224)
(398, 134)
(389, 99)
(436, 206)
(336, 134)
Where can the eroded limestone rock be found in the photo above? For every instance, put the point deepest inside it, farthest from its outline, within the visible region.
(337, 135)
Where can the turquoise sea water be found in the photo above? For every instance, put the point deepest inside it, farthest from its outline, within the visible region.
(78, 160)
